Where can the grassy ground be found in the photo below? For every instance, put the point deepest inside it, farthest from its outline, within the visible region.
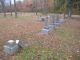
(61, 44)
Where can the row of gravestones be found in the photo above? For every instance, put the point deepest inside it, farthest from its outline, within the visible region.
(51, 22)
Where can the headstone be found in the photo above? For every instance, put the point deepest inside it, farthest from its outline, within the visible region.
(42, 18)
(46, 21)
(45, 31)
(21, 44)
(51, 26)
(61, 19)
(11, 47)
(52, 18)
(56, 18)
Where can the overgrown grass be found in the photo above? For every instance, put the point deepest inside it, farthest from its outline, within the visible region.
(64, 34)
(67, 50)
(33, 53)
(70, 42)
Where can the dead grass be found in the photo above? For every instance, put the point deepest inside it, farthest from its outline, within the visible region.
(61, 44)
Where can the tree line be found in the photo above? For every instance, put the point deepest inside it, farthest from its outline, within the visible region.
(43, 6)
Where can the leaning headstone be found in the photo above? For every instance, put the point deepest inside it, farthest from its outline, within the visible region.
(11, 47)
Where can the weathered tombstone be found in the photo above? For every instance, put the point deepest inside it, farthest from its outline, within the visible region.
(51, 27)
(61, 18)
(57, 21)
(21, 44)
(52, 18)
(56, 18)
(46, 21)
(41, 19)
(49, 22)
(45, 31)
(11, 47)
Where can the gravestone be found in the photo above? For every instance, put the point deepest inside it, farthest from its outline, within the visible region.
(61, 20)
(51, 26)
(56, 18)
(44, 31)
(42, 18)
(21, 44)
(46, 21)
(11, 47)
(52, 19)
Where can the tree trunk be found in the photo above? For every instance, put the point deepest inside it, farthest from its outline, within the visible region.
(3, 7)
(36, 6)
(69, 8)
(10, 8)
(69, 13)
(15, 8)
(45, 9)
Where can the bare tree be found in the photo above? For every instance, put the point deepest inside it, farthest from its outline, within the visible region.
(10, 7)
(3, 7)
(45, 9)
(35, 5)
(69, 8)
(15, 8)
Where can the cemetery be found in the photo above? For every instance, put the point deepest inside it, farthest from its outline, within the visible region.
(29, 31)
